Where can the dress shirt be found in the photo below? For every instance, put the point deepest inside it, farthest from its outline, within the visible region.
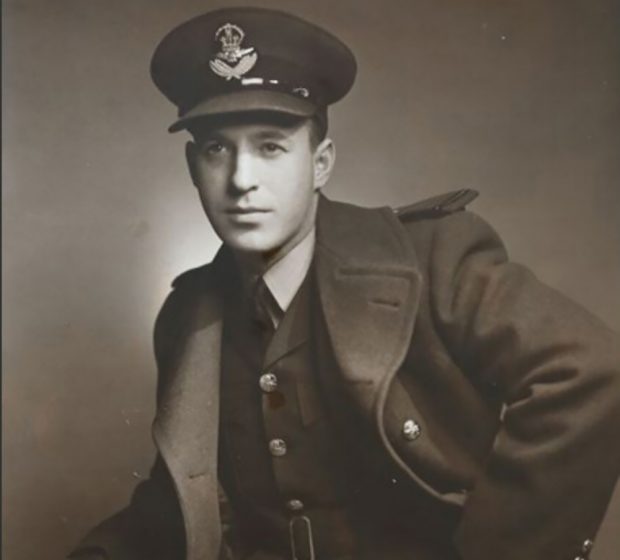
(286, 275)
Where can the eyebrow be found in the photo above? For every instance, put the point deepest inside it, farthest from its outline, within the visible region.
(265, 134)
(273, 134)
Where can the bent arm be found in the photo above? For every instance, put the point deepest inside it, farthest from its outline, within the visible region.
(555, 460)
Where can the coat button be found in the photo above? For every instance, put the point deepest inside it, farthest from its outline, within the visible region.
(268, 382)
(277, 447)
(294, 505)
(587, 545)
(411, 430)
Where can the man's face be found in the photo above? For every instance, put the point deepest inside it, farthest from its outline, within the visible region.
(258, 182)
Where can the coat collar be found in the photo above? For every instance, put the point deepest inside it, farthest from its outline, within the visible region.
(369, 286)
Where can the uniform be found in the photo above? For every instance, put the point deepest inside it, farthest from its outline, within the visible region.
(422, 396)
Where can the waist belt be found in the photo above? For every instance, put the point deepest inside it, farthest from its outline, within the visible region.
(316, 534)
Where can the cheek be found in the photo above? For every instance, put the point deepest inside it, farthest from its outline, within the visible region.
(297, 183)
(211, 188)
(296, 201)
(214, 208)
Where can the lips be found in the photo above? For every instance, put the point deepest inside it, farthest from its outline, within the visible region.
(240, 211)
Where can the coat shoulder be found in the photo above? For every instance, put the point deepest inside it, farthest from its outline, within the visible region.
(442, 228)
(187, 289)
(437, 206)
(193, 277)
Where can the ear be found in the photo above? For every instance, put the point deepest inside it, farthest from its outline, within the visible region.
(191, 152)
(324, 160)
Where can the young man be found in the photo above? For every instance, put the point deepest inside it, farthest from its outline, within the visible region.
(349, 383)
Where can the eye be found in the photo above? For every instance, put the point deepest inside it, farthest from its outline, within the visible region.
(271, 148)
(213, 148)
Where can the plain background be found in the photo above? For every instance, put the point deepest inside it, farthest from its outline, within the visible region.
(518, 99)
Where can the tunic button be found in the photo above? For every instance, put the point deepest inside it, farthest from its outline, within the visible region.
(294, 505)
(268, 382)
(411, 430)
(277, 447)
(587, 546)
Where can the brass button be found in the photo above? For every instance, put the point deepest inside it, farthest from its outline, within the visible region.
(411, 430)
(587, 546)
(268, 382)
(294, 505)
(277, 447)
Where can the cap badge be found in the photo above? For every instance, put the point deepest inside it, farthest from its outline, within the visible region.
(232, 61)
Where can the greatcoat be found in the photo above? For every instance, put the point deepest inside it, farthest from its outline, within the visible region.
(515, 388)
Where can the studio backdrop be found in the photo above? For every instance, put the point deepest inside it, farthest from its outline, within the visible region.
(518, 99)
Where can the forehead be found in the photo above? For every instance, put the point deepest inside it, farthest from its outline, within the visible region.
(250, 124)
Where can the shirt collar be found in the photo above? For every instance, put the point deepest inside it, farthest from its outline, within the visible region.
(286, 276)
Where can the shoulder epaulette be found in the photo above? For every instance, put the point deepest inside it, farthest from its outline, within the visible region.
(435, 206)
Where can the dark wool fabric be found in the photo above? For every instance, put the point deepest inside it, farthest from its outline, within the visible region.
(312, 470)
(515, 391)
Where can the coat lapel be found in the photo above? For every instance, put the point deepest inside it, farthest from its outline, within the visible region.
(186, 426)
(369, 288)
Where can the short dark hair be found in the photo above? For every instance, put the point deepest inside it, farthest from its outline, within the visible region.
(199, 127)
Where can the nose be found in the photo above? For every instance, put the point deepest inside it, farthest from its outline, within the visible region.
(243, 178)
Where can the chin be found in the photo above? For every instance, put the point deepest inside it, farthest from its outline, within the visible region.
(252, 244)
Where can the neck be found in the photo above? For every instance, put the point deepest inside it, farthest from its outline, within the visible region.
(256, 264)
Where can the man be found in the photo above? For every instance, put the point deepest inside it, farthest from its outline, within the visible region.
(349, 383)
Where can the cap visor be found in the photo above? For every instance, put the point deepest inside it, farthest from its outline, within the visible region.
(246, 101)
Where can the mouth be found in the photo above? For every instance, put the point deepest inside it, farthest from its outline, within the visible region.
(241, 211)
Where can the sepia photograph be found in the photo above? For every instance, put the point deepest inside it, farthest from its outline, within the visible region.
(311, 280)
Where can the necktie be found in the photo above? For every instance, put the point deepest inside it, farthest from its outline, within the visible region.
(266, 311)
(260, 305)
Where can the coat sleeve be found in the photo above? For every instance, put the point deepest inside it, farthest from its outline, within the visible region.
(555, 460)
(148, 528)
